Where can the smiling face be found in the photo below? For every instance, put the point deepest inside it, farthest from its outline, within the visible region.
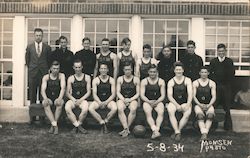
(190, 48)
(86, 44)
(221, 52)
(126, 46)
(127, 70)
(204, 73)
(152, 73)
(105, 46)
(103, 69)
(38, 36)
(147, 53)
(178, 70)
(63, 43)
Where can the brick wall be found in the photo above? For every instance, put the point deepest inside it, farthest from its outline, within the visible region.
(124, 7)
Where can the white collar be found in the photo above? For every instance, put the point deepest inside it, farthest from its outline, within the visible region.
(221, 59)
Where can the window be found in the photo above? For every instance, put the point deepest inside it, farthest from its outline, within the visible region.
(6, 32)
(53, 28)
(113, 29)
(166, 32)
(235, 34)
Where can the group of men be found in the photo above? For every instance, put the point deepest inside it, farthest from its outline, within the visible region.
(120, 81)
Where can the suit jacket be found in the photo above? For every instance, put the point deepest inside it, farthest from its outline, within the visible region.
(35, 63)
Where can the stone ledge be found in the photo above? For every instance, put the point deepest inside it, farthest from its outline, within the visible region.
(241, 120)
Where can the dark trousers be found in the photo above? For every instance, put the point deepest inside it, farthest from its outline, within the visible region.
(35, 86)
(223, 98)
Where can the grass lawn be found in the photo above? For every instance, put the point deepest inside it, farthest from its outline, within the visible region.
(23, 140)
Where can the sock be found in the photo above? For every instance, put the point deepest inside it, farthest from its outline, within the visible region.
(80, 123)
(102, 122)
(54, 123)
(153, 128)
(76, 124)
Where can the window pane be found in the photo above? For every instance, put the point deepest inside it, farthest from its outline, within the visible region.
(1, 25)
(210, 38)
(53, 38)
(234, 28)
(54, 25)
(148, 26)
(148, 39)
(211, 30)
(7, 67)
(89, 26)
(45, 38)
(222, 27)
(172, 40)
(234, 53)
(210, 44)
(66, 25)
(7, 80)
(246, 28)
(7, 52)
(183, 27)
(246, 39)
(210, 52)
(100, 26)
(124, 26)
(234, 39)
(99, 38)
(156, 52)
(210, 23)
(8, 25)
(112, 26)
(171, 26)
(182, 41)
(159, 26)
(7, 40)
(44, 24)
(121, 37)
(234, 45)
(159, 40)
(32, 24)
(222, 39)
(31, 37)
(7, 93)
(91, 37)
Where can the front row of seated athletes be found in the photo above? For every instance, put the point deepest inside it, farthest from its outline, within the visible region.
(151, 90)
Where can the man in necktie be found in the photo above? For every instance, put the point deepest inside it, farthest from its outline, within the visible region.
(36, 57)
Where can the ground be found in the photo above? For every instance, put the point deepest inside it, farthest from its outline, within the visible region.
(23, 140)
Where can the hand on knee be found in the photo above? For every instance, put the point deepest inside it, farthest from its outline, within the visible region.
(200, 117)
(210, 116)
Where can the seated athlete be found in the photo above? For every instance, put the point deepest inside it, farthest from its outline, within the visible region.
(128, 87)
(204, 92)
(152, 95)
(78, 90)
(103, 94)
(52, 91)
(180, 99)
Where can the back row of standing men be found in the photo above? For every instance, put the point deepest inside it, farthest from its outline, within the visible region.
(39, 57)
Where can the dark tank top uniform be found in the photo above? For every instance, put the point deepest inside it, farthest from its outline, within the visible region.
(124, 60)
(79, 88)
(53, 88)
(128, 89)
(203, 93)
(104, 90)
(108, 61)
(144, 69)
(153, 91)
(180, 92)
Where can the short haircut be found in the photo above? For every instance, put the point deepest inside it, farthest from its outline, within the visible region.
(221, 45)
(38, 30)
(205, 67)
(146, 46)
(77, 61)
(85, 39)
(152, 66)
(125, 40)
(55, 63)
(127, 64)
(63, 37)
(105, 39)
(178, 63)
(190, 42)
(103, 64)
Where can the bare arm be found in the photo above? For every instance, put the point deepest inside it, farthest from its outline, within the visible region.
(163, 91)
(112, 82)
(143, 85)
(44, 87)
(96, 66)
(94, 87)
(195, 85)
(69, 88)
(189, 91)
(137, 82)
(213, 92)
(62, 84)
(88, 80)
(115, 66)
(137, 69)
(118, 93)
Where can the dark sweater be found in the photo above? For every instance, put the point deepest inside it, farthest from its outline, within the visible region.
(88, 59)
(165, 68)
(222, 72)
(192, 65)
(65, 58)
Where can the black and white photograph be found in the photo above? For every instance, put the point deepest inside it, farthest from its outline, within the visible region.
(124, 78)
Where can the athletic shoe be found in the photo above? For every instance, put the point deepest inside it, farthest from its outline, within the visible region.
(121, 133)
(105, 129)
(82, 130)
(156, 134)
(203, 137)
(56, 130)
(125, 133)
(178, 137)
(74, 130)
(51, 130)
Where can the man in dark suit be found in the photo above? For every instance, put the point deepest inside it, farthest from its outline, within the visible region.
(64, 56)
(36, 57)
(192, 62)
(222, 72)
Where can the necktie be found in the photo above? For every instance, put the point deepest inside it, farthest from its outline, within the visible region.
(38, 50)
